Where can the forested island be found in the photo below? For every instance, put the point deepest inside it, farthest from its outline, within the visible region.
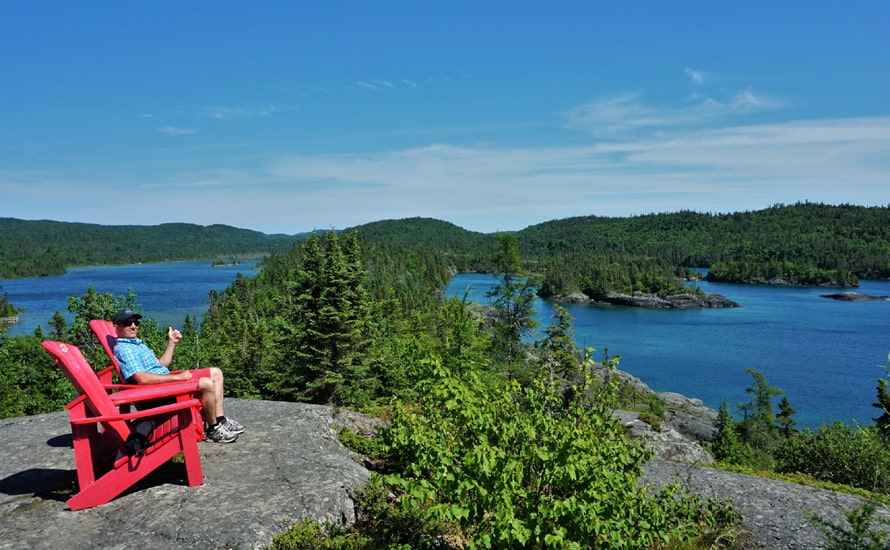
(490, 438)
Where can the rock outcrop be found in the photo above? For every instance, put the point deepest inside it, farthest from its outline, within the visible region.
(854, 297)
(651, 301)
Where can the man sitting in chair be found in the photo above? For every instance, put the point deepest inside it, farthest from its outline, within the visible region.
(140, 365)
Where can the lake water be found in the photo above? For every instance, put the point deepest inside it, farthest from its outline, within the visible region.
(165, 291)
(824, 354)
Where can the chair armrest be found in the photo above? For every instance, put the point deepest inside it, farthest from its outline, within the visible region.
(147, 392)
(172, 407)
(121, 386)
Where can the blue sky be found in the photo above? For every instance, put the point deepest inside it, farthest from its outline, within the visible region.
(290, 116)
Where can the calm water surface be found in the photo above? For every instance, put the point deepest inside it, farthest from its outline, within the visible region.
(824, 354)
(166, 291)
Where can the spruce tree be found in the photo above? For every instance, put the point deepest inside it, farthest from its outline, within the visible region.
(883, 421)
(513, 299)
(785, 422)
(726, 446)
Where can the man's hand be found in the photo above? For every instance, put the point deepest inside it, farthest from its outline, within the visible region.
(173, 335)
(184, 375)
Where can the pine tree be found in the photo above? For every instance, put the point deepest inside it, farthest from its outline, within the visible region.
(785, 422)
(513, 299)
(561, 355)
(324, 332)
(726, 445)
(883, 421)
(758, 429)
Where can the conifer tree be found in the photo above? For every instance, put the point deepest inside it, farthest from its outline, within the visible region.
(726, 445)
(883, 421)
(513, 299)
(325, 327)
(785, 422)
(561, 355)
(759, 424)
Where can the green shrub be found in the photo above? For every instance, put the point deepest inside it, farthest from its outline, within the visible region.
(851, 455)
(532, 467)
(381, 522)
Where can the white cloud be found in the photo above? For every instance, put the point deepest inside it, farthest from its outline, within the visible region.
(176, 131)
(625, 115)
(697, 77)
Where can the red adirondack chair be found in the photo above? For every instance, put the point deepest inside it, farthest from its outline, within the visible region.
(104, 469)
(107, 336)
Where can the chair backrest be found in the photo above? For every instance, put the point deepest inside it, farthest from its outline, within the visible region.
(107, 335)
(85, 381)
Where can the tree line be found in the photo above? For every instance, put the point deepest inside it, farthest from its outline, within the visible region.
(42, 248)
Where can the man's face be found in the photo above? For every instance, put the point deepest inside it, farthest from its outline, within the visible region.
(128, 328)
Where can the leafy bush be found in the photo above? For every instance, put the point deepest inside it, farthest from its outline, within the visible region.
(851, 455)
(532, 466)
(380, 523)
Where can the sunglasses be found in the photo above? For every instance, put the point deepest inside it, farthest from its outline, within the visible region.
(130, 322)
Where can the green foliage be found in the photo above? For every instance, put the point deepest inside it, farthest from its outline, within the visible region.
(523, 467)
(458, 248)
(864, 530)
(727, 445)
(560, 355)
(40, 248)
(324, 325)
(512, 299)
(784, 422)
(30, 382)
(381, 522)
(804, 243)
(883, 403)
(7, 309)
(87, 307)
(851, 455)
(758, 427)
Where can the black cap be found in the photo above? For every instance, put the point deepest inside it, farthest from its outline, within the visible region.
(124, 315)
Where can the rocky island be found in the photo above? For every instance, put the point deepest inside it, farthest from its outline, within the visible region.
(854, 297)
(651, 301)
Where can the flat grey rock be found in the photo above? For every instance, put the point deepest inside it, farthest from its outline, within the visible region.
(287, 466)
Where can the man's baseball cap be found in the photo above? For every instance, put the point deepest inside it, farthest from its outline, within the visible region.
(124, 315)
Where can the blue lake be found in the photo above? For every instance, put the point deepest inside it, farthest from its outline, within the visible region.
(824, 354)
(165, 291)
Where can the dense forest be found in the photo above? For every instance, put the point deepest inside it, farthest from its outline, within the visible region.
(491, 439)
(41, 248)
(802, 244)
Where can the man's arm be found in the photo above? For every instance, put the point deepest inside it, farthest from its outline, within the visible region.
(173, 338)
(149, 378)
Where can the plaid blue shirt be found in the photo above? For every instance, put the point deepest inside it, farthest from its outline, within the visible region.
(134, 356)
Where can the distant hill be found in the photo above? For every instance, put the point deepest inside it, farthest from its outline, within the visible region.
(803, 243)
(463, 249)
(39, 248)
